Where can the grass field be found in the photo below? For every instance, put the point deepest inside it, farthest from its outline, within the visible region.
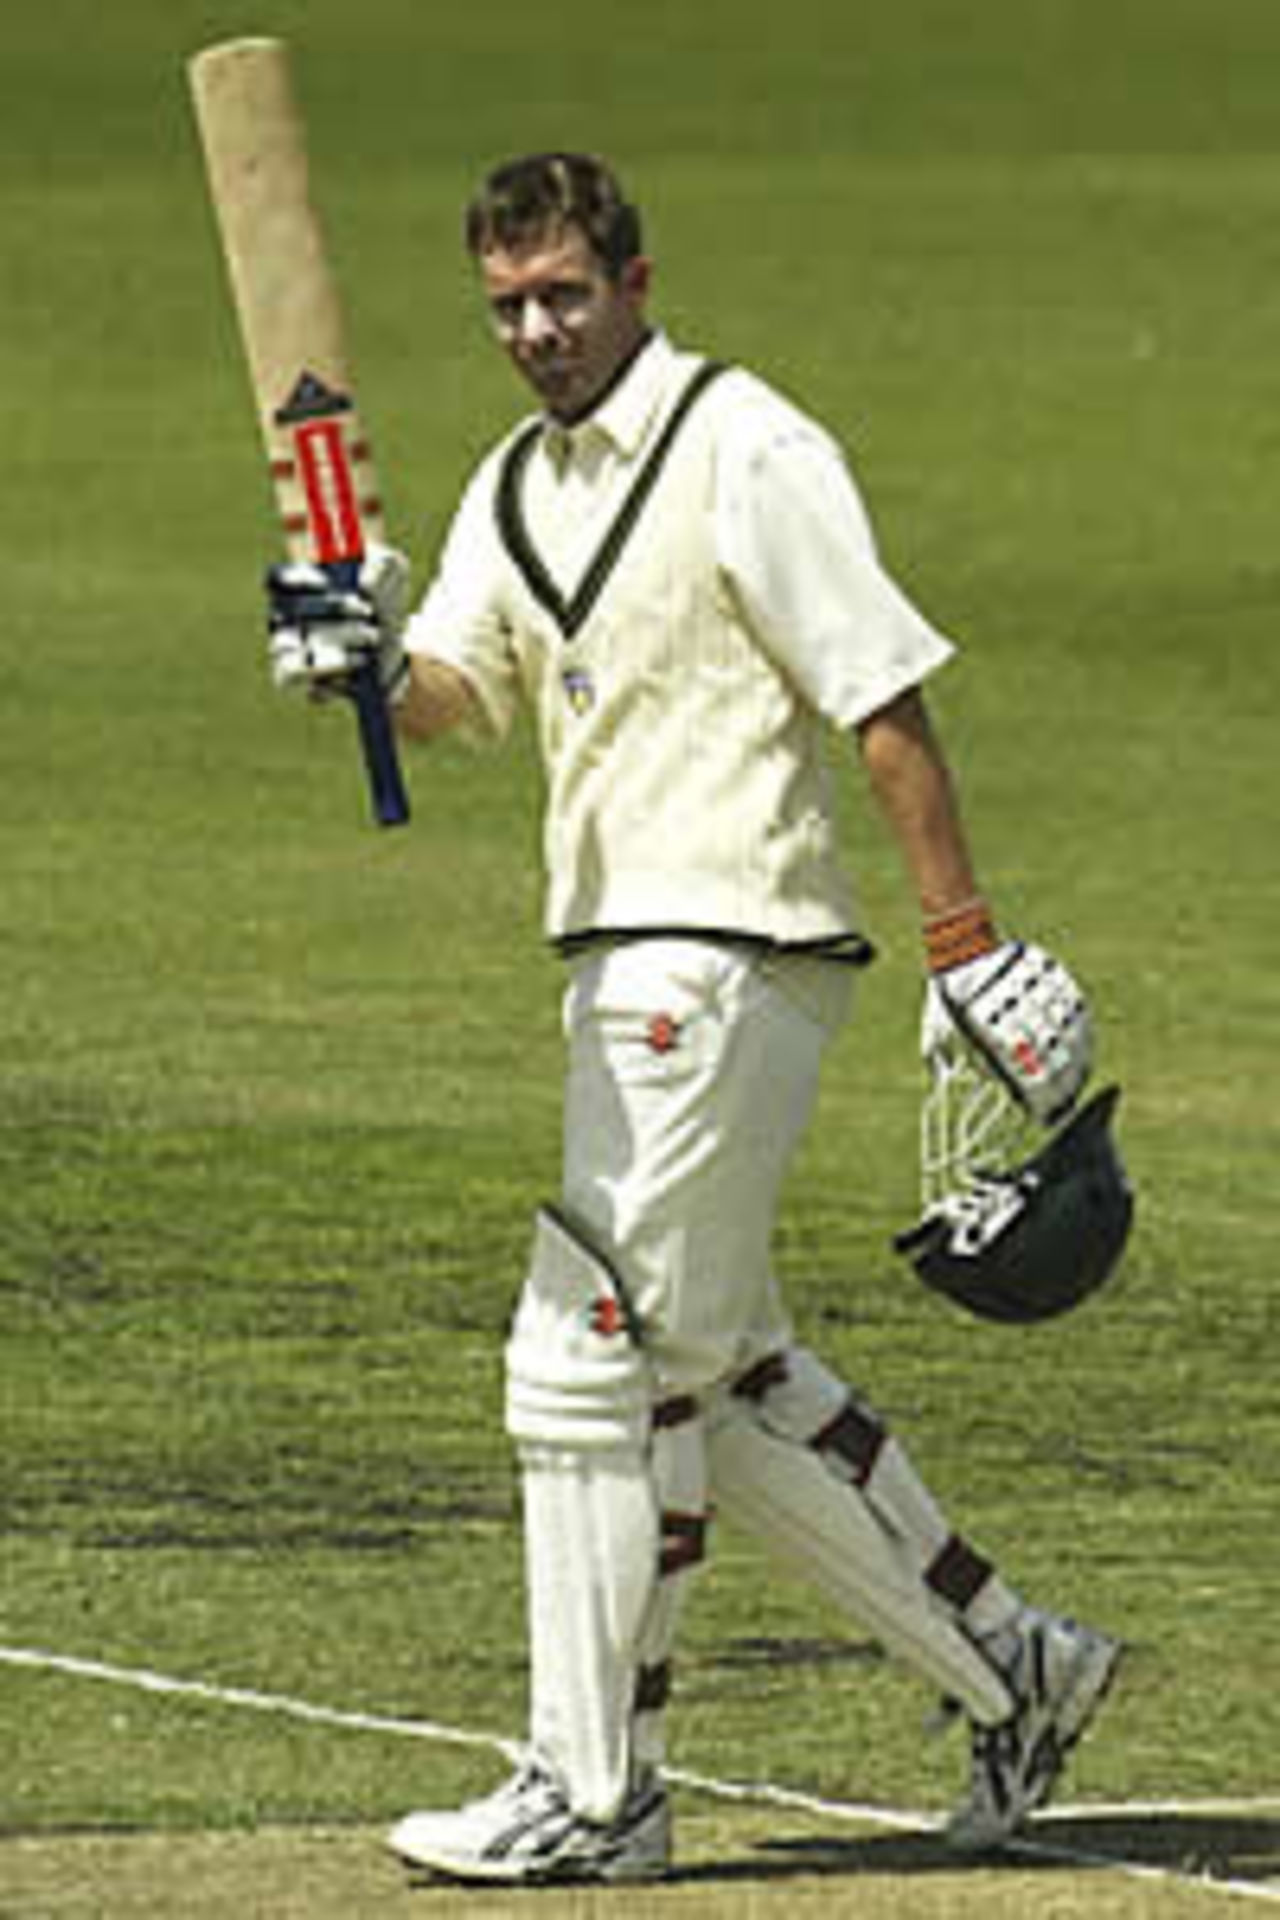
(278, 1094)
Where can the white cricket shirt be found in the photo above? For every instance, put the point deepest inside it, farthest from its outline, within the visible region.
(682, 679)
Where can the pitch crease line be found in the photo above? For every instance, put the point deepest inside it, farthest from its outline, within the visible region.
(144, 1680)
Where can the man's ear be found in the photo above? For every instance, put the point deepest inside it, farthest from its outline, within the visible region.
(636, 279)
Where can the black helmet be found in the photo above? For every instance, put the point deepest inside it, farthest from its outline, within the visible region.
(1034, 1242)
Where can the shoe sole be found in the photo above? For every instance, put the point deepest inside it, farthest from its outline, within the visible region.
(495, 1870)
(470, 1873)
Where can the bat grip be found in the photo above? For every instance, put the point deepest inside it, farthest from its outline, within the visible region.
(377, 735)
(377, 738)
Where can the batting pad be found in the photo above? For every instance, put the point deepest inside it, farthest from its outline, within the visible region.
(826, 1531)
(576, 1376)
(592, 1532)
(678, 1468)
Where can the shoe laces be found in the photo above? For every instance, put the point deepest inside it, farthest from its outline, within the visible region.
(532, 1778)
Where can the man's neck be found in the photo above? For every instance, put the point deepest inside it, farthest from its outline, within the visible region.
(611, 385)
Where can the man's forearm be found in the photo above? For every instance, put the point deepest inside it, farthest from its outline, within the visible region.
(436, 699)
(915, 790)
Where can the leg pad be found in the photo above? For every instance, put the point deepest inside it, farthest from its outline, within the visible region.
(576, 1374)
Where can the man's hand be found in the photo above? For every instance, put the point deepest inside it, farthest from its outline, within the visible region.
(321, 632)
(1020, 1013)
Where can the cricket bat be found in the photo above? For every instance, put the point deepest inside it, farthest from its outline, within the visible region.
(319, 457)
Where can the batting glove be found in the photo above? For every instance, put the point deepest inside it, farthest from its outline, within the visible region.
(1019, 1013)
(320, 632)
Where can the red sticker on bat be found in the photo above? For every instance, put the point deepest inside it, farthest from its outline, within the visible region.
(330, 494)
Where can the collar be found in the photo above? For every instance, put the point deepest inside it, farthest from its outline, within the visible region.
(629, 408)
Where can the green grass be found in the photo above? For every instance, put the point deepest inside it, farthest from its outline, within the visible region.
(278, 1094)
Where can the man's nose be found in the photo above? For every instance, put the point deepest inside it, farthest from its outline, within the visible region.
(537, 323)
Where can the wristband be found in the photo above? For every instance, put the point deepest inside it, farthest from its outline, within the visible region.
(962, 934)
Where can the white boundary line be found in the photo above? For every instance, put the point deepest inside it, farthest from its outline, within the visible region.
(143, 1680)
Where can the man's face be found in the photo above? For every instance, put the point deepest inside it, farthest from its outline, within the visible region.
(566, 326)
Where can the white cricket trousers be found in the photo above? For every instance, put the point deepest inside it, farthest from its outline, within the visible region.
(692, 1073)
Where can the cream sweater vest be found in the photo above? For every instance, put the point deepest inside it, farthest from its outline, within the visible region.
(687, 781)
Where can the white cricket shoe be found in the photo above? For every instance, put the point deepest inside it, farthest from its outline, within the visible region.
(1060, 1675)
(527, 1832)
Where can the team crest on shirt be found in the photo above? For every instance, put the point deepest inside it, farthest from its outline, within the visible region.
(579, 689)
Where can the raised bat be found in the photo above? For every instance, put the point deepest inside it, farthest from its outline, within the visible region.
(320, 460)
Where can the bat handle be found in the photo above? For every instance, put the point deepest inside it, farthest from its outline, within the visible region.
(377, 738)
(377, 735)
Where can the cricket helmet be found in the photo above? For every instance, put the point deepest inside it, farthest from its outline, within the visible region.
(1033, 1242)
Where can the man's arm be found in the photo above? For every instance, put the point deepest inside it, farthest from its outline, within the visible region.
(1014, 1004)
(913, 785)
(320, 634)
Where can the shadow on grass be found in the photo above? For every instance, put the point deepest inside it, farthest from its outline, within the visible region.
(1216, 1846)
(1219, 1846)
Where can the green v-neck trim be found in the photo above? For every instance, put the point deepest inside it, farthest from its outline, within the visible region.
(571, 612)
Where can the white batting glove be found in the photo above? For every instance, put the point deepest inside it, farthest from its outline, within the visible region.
(1019, 1013)
(320, 633)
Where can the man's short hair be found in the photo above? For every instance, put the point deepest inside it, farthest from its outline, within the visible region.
(524, 199)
